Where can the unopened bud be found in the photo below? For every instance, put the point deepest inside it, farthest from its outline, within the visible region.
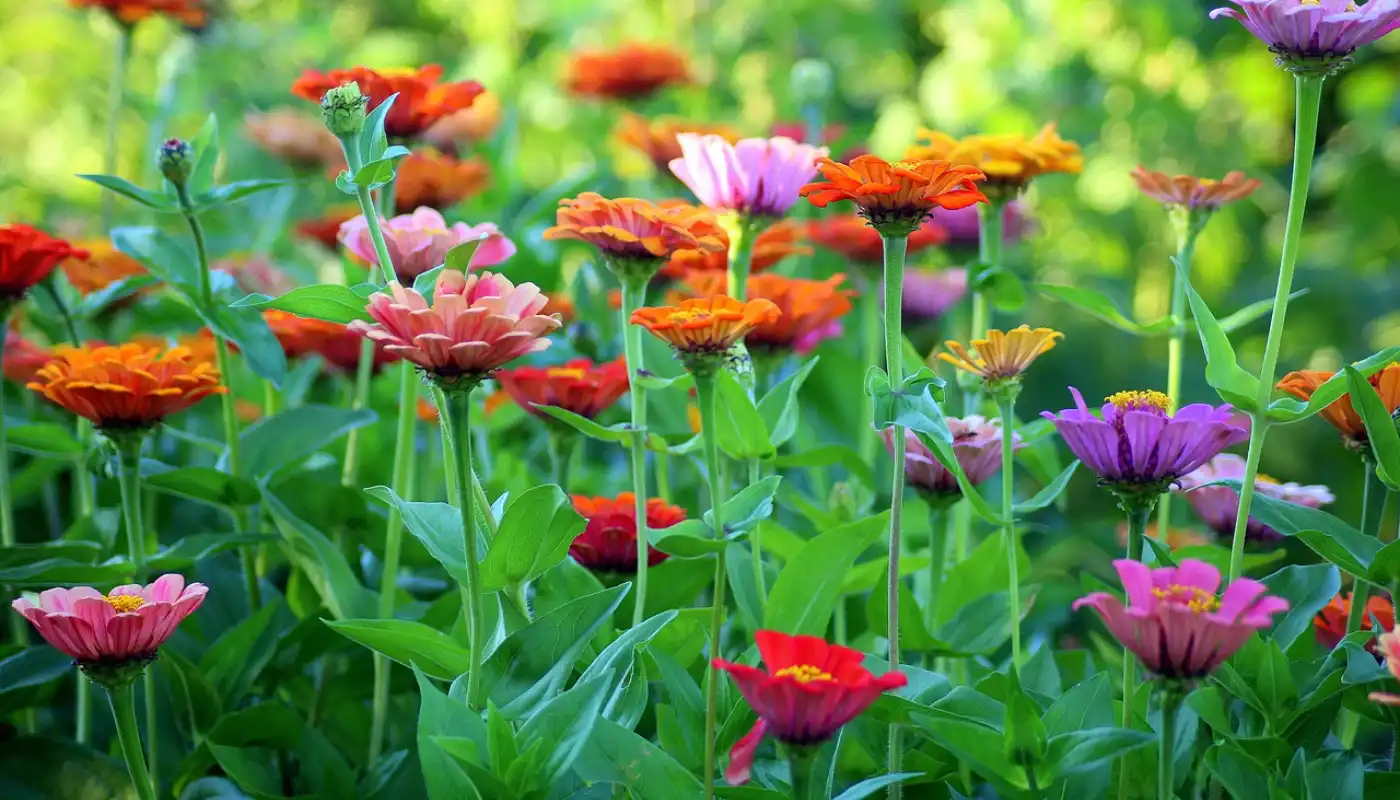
(176, 160)
(343, 109)
(810, 81)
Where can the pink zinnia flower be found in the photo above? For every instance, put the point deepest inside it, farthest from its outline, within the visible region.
(1389, 647)
(1314, 28)
(476, 324)
(1218, 506)
(928, 293)
(419, 241)
(976, 443)
(755, 177)
(127, 624)
(1138, 444)
(1175, 623)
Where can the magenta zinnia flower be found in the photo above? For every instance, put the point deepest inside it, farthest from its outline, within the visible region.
(965, 226)
(1137, 445)
(476, 324)
(929, 293)
(755, 177)
(977, 445)
(1218, 506)
(1314, 28)
(419, 241)
(1174, 622)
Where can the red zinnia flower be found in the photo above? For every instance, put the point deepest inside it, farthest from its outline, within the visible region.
(631, 71)
(27, 256)
(579, 386)
(811, 689)
(23, 358)
(422, 100)
(609, 543)
(129, 12)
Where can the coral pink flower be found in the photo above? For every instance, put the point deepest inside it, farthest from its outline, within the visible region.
(127, 624)
(810, 689)
(419, 241)
(1389, 646)
(1218, 506)
(977, 445)
(1174, 621)
(476, 324)
(754, 177)
(928, 293)
(1314, 28)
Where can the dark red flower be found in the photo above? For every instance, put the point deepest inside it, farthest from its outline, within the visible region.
(609, 543)
(27, 256)
(811, 689)
(579, 385)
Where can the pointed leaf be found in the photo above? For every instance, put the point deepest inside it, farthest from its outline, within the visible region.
(131, 191)
(1288, 409)
(807, 589)
(1223, 372)
(535, 534)
(1380, 427)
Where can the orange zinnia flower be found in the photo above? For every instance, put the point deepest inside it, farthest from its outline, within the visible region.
(773, 244)
(1330, 624)
(333, 342)
(852, 237)
(431, 179)
(473, 124)
(1341, 414)
(299, 139)
(577, 385)
(559, 304)
(129, 12)
(1194, 193)
(1002, 356)
(1008, 160)
(895, 198)
(326, 228)
(706, 326)
(103, 266)
(631, 71)
(656, 139)
(27, 256)
(22, 358)
(634, 233)
(809, 311)
(421, 101)
(126, 387)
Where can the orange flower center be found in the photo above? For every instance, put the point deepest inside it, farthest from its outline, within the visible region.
(804, 673)
(1139, 400)
(565, 373)
(1196, 599)
(125, 603)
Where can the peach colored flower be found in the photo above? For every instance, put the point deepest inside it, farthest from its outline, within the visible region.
(127, 387)
(809, 311)
(419, 241)
(705, 326)
(1389, 647)
(428, 178)
(103, 266)
(773, 244)
(656, 139)
(1340, 413)
(475, 124)
(297, 138)
(256, 273)
(631, 230)
(1192, 192)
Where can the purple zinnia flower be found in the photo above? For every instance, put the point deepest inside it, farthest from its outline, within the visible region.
(976, 444)
(754, 177)
(1314, 28)
(965, 227)
(1218, 506)
(928, 293)
(1137, 445)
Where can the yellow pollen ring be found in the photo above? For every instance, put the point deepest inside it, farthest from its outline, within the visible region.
(564, 372)
(1198, 600)
(803, 673)
(682, 317)
(1138, 398)
(125, 603)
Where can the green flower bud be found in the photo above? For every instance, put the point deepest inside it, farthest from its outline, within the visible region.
(176, 161)
(343, 109)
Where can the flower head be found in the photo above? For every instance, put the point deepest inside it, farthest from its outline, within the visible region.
(895, 198)
(1330, 624)
(609, 542)
(1340, 412)
(1311, 34)
(634, 235)
(1218, 506)
(189, 13)
(809, 311)
(1138, 444)
(1388, 646)
(629, 72)
(752, 177)
(103, 266)
(1194, 193)
(22, 357)
(475, 124)
(1002, 356)
(700, 329)
(577, 385)
(809, 689)
(476, 324)
(336, 344)
(27, 256)
(419, 241)
(851, 236)
(299, 139)
(422, 100)
(428, 178)
(326, 228)
(1175, 623)
(977, 445)
(128, 387)
(773, 244)
(929, 293)
(1009, 161)
(656, 139)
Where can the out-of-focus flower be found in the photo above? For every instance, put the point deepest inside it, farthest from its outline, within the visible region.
(23, 358)
(128, 387)
(190, 13)
(809, 690)
(1330, 624)
(1194, 193)
(1303, 383)
(299, 139)
(1177, 538)
(1324, 31)
(103, 266)
(977, 445)
(1009, 161)
(428, 412)
(1389, 649)
(475, 124)
(577, 385)
(561, 305)
(1218, 506)
(326, 228)
(634, 236)
(1002, 356)
(434, 180)
(656, 139)
(928, 293)
(335, 343)
(422, 99)
(477, 324)
(798, 131)
(629, 72)
(27, 256)
(964, 225)
(1175, 623)
(609, 543)
(773, 244)
(1138, 445)
(809, 311)
(895, 198)
(256, 273)
(419, 241)
(708, 326)
(853, 237)
(751, 177)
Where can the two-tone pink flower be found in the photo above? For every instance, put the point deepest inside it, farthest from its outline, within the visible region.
(753, 177)
(419, 241)
(976, 445)
(1218, 506)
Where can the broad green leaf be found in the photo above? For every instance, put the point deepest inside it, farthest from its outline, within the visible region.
(233, 192)
(206, 149)
(1380, 427)
(43, 439)
(780, 408)
(101, 300)
(1081, 751)
(1325, 534)
(825, 456)
(248, 331)
(1047, 495)
(1025, 738)
(45, 768)
(743, 435)
(166, 257)
(438, 526)
(978, 628)
(695, 537)
(617, 755)
(1240, 774)
(1288, 409)
(441, 716)
(380, 171)
(286, 438)
(1223, 372)
(534, 535)
(913, 406)
(1308, 589)
(459, 258)
(131, 191)
(24, 676)
(1253, 311)
(324, 301)
(1102, 306)
(617, 433)
(321, 561)
(49, 572)
(197, 704)
(807, 589)
(870, 786)
(373, 141)
(984, 572)
(78, 551)
(233, 663)
(409, 643)
(1004, 288)
(974, 742)
(201, 484)
(563, 726)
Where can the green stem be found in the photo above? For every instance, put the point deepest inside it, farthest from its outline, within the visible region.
(1138, 515)
(1372, 509)
(19, 631)
(634, 289)
(1006, 405)
(123, 703)
(1309, 102)
(742, 234)
(386, 265)
(872, 324)
(895, 248)
(1166, 744)
(939, 524)
(990, 217)
(129, 481)
(1175, 347)
(801, 760)
(756, 544)
(456, 418)
(1032, 783)
(116, 88)
(705, 396)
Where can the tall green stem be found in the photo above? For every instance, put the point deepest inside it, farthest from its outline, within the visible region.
(19, 631)
(116, 88)
(895, 248)
(1372, 509)
(364, 370)
(129, 481)
(1186, 247)
(871, 329)
(990, 217)
(705, 396)
(456, 418)
(1139, 512)
(1309, 102)
(755, 543)
(123, 703)
(634, 290)
(939, 524)
(1006, 406)
(1166, 744)
(742, 235)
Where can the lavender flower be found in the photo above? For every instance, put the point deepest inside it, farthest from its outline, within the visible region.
(929, 293)
(755, 177)
(965, 228)
(977, 445)
(1218, 506)
(1325, 30)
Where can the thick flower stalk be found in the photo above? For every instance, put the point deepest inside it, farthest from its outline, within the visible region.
(608, 544)
(1218, 505)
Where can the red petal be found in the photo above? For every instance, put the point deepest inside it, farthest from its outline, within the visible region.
(741, 755)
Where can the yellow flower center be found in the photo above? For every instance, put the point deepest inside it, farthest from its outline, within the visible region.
(125, 603)
(564, 373)
(1196, 599)
(1137, 399)
(682, 316)
(804, 673)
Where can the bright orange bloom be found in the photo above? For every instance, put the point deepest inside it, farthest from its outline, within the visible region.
(578, 385)
(475, 124)
(27, 256)
(656, 139)
(1341, 414)
(292, 136)
(126, 387)
(810, 311)
(632, 229)
(1008, 160)
(333, 342)
(1330, 624)
(773, 244)
(427, 411)
(22, 358)
(189, 13)
(708, 325)
(104, 266)
(326, 228)
(1002, 355)
(631, 71)
(201, 344)
(900, 195)
(852, 237)
(422, 100)
(431, 179)
(1192, 192)
(560, 304)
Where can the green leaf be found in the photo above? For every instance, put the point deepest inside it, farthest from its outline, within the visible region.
(617, 755)
(380, 171)
(438, 526)
(563, 726)
(742, 433)
(1240, 773)
(286, 438)
(1308, 589)
(206, 155)
(1004, 288)
(825, 456)
(321, 561)
(1380, 427)
(408, 643)
(233, 663)
(246, 328)
(1223, 371)
(805, 594)
(914, 406)
(617, 433)
(1253, 311)
(201, 484)
(44, 439)
(1325, 534)
(40, 768)
(978, 628)
(1100, 305)
(131, 191)
(233, 192)
(62, 572)
(534, 535)
(780, 408)
(693, 538)
(1047, 495)
(1081, 751)
(459, 258)
(1025, 740)
(324, 301)
(197, 704)
(1288, 409)
(441, 716)
(163, 256)
(373, 142)
(94, 304)
(870, 786)
(24, 675)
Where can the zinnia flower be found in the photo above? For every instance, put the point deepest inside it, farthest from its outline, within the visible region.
(1340, 413)
(128, 624)
(335, 343)
(751, 177)
(1330, 624)
(809, 690)
(100, 267)
(1389, 647)
(1177, 538)
(256, 273)
(1002, 356)
(559, 304)
(300, 140)
(475, 124)
(609, 542)
(326, 228)
(422, 100)
(428, 178)
(851, 236)
(629, 72)
(1218, 506)
(189, 13)
(698, 329)
(27, 256)
(773, 244)
(419, 241)
(578, 385)
(656, 139)
(1138, 445)
(809, 311)
(1314, 30)
(895, 198)
(977, 445)
(1175, 623)
(128, 387)
(928, 293)
(476, 324)
(1194, 193)
(22, 357)
(634, 236)
(1009, 161)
